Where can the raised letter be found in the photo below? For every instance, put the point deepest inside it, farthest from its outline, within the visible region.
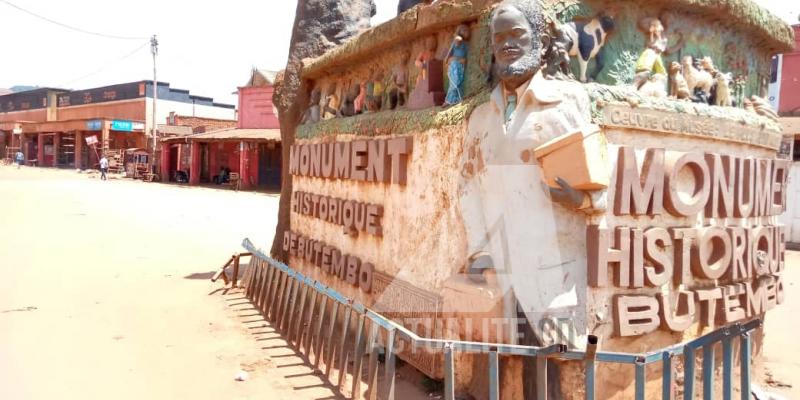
(711, 256)
(723, 181)
(634, 195)
(687, 204)
(399, 149)
(602, 253)
(636, 315)
(657, 251)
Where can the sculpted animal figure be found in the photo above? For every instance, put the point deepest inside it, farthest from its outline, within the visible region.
(678, 86)
(588, 38)
(557, 56)
(723, 92)
(697, 79)
(760, 106)
(655, 87)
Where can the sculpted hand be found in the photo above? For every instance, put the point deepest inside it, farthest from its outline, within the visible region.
(567, 196)
(477, 264)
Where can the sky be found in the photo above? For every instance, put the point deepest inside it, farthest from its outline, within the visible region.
(207, 47)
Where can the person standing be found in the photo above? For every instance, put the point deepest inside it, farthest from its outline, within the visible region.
(20, 158)
(103, 168)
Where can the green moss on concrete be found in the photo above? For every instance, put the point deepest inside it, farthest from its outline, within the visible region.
(398, 122)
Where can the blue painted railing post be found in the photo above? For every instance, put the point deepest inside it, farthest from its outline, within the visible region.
(745, 359)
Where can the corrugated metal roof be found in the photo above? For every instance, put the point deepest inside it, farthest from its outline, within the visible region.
(178, 130)
(232, 134)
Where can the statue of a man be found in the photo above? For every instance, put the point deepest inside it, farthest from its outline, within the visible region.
(527, 236)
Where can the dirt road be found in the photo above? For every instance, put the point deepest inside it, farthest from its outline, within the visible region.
(104, 293)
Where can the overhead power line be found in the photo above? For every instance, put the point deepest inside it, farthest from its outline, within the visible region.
(10, 4)
(105, 67)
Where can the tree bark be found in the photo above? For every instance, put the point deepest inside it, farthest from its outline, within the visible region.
(319, 25)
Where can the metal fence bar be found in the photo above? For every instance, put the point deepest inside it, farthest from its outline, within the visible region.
(276, 289)
(667, 378)
(727, 369)
(372, 368)
(298, 325)
(291, 318)
(279, 304)
(641, 379)
(745, 359)
(327, 340)
(391, 364)
(494, 375)
(249, 275)
(308, 333)
(262, 287)
(449, 373)
(541, 377)
(358, 351)
(688, 373)
(291, 300)
(708, 372)
(591, 355)
(342, 350)
(256, 285)
(268, 284)
(317, 338)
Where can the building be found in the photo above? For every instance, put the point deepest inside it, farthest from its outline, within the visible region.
(63, 128)
(786, 93)
(251, 149)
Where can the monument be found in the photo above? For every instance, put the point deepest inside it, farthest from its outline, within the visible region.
(641, 208)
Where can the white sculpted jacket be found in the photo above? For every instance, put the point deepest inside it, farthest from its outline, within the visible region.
(537, 247)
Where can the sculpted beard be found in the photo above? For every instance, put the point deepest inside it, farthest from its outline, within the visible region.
(528, 64)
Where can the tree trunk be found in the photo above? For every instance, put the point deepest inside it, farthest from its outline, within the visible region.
(319, 25)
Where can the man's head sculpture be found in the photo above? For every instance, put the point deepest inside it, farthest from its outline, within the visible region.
(518, 40)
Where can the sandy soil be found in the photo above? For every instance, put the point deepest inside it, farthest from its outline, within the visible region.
(105, 294)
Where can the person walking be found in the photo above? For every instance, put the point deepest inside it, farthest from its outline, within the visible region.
(103, 168)
(20, 158)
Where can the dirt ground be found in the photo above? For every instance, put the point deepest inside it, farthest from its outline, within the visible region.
(105, 293)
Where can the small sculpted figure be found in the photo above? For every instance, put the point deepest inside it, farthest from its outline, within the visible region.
(375, 90)
(723, 91)
(348, 104)
(707, 65)
(429, 88)
(588, 38)
(331, 108)
(425, 57)
(312, 114)
(678, 86)
(557, 57)
(398, 96)
(760, 106)
(361, 99)
(651, 61)
(655, 87)
(697, 80)
(739, 89)
(456, 61)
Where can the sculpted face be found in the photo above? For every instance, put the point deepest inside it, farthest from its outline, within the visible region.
(516, 47)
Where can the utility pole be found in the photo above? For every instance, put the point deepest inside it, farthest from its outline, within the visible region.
(154, 51)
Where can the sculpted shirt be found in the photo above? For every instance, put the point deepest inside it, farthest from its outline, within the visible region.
(537, 247)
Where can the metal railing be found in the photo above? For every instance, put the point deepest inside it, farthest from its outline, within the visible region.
(308, 314)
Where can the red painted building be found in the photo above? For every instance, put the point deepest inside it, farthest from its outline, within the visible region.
(789, 100)
(252, 149)
(54, 127)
